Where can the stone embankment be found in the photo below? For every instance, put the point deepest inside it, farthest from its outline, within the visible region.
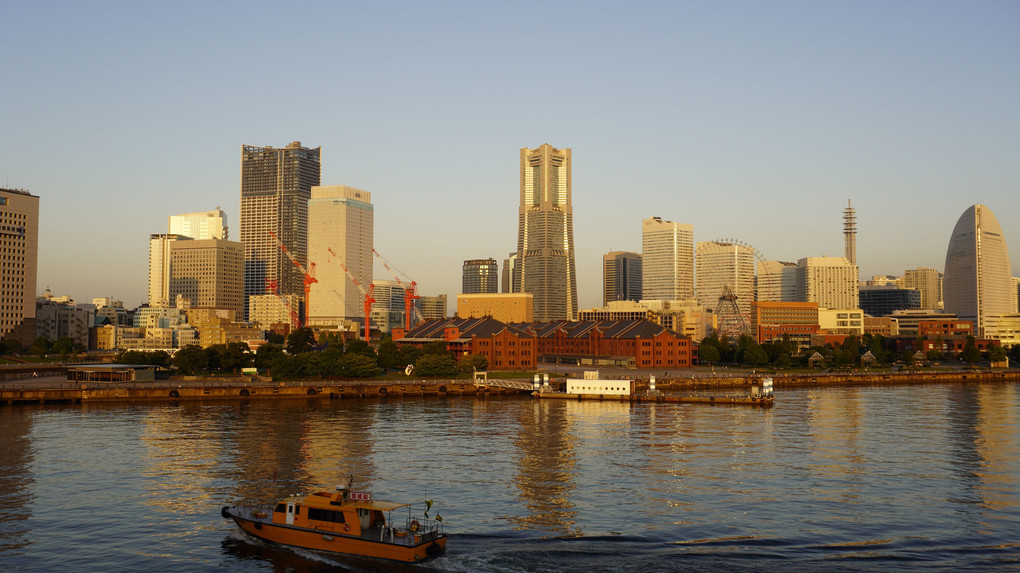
(57, 389)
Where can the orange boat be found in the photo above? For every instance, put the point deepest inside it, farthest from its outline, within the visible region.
(348, 522)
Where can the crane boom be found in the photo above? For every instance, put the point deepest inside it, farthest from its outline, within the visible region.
(308, 274)
(369, 300)
(410, 292)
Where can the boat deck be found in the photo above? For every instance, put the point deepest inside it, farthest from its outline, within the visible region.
(391, 534)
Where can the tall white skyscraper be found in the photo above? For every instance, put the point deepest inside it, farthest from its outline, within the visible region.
(19, 262)
(721, 264)
(159, 267)
(832, 282)
(929, 283)
(340, 230)
(978, 282)
(667, 260)
(201, 225)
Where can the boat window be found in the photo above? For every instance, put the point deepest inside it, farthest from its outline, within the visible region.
(325, 515)
(297, 510)
(281, 508)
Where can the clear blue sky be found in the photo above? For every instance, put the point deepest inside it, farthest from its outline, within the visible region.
(750, 120)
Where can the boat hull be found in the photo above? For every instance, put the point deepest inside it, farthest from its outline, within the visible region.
(409, 548)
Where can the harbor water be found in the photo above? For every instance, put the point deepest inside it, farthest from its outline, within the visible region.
(837, 479)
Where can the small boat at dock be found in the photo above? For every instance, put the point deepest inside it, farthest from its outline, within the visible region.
(347, 522)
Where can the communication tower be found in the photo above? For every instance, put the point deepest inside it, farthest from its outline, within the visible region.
(850, 233)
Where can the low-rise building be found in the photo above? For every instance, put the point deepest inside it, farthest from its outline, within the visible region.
(504, 307)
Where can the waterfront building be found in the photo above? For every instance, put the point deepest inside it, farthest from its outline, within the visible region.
(504, 307)
(881, 325)
(19, 264)
(545, 239)
(341, 223)
(909, 320)
(621, 276)
(480, 276)
(829, 281)
(776, 281)
(841, 320)
(884, 300)
(523, 346)
(723, 264)
(770, 320)
(685, 317)
(432, 306)
(667, 260)
(978, 281)
(201, 225)
(56, 320)
(208, 273)
(929, 283)
(159, 267)
(276, 184)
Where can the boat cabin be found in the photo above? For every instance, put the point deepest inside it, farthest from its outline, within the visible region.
(343, 512)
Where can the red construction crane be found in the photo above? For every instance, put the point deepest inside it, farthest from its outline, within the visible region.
(295, 320)
(410, 293)
(368, 295)
(309, 274)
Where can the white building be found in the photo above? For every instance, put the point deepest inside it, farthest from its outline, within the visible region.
(201, 225)
(159, 267)
(978, 282)
(929, 283)
(725, 264)
(340, 232)
(776, 281)
(667, 260)
(19, 257)
(832, 282)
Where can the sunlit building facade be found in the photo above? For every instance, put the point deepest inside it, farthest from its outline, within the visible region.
(201, 225)
(19, 261)
(832, 282)
(545, 239)
(621, 276)
(276, 184)
(667, 260)
(978, 282)
(341, 222)
(724, 264)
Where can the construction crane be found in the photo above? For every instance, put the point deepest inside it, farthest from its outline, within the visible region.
(295, 320)
(367, 294)
(309, 274)
(410, 293)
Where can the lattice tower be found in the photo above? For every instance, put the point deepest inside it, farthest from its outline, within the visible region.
(850, 233)
(732, 322)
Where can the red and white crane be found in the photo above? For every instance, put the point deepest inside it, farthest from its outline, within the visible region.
(308, 274)
(410, 293)
(366, 294)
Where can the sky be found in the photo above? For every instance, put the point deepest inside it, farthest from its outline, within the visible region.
(753, 121)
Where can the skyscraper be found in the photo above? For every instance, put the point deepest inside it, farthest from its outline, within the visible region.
(19, 263)
(276, 184)
(832, 282)
(159, 267)
(545, 237)
(480, 276)
(208, 273)
(621, 276)
(667, 260)
(776, 281)
(201, 225)
(978, 284)
(721, 264)
(928, 282)
(341, 219)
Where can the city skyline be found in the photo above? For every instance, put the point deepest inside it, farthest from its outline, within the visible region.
(753, 122)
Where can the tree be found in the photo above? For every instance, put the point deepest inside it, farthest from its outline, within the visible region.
(357, 366)
(358, 346)
(970, 353)
(155, 358)
(389, 354)
(234, 355)
(66, 345)
(191, 359)
(435, 365)
(707, 354)
(300, 341)
(267, 354)
(40, 346)
(755, 355)
(473, 363)
(996, 354)
(437, 348)
(11, 346)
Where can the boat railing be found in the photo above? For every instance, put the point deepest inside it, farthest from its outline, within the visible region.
(424, 526)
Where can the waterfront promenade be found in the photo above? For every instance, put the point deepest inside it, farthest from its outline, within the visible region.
(57, 389)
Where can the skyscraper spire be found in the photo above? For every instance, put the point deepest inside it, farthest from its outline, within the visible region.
(850, 233)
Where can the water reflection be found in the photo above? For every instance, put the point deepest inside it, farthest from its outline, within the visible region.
(545, 468)
(16, 481)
